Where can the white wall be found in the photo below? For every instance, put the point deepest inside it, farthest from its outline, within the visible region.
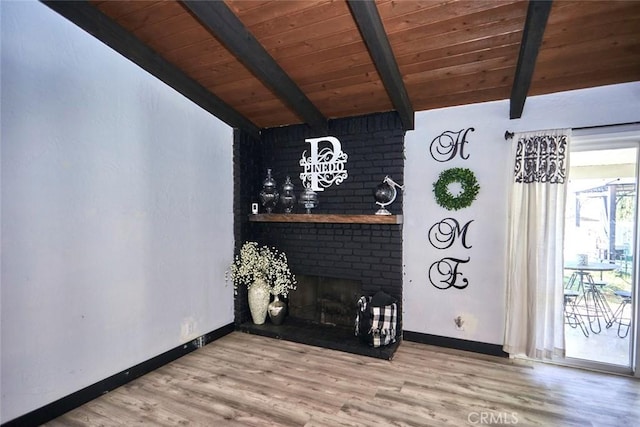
(117, 221)
(481, 304)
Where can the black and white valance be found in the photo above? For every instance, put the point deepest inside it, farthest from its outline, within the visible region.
(541, 157)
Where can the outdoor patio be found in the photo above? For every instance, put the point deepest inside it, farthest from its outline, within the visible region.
(603, 344)
(605, 347)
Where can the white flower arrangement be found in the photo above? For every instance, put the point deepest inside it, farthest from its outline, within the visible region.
(267, 263)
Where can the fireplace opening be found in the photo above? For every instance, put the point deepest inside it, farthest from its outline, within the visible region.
(325, 300)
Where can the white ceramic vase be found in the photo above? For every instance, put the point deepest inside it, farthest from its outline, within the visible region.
(259, 296)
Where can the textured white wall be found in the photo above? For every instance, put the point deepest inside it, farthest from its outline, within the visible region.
(117, 222)
(430, 310)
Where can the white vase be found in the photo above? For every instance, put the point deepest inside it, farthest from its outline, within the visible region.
(259, 300)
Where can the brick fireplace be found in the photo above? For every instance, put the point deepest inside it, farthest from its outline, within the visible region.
(369, 255)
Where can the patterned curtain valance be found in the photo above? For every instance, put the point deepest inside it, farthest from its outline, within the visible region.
(541, 157)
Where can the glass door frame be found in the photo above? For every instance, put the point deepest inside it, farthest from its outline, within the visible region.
(603, 138)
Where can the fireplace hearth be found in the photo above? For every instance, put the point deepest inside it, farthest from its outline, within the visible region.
(322, 312)
(332, 337)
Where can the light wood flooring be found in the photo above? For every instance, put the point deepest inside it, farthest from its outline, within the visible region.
(249, 380)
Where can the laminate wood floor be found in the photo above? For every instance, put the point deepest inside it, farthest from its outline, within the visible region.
(248, 380)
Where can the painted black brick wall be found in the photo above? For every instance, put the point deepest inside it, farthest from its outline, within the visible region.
(365, 252)
(247, 182)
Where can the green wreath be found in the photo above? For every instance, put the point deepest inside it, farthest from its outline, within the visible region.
(467, 180)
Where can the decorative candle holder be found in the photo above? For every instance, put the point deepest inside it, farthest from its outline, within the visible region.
(287, 198)
(309, 199)
(269, 194)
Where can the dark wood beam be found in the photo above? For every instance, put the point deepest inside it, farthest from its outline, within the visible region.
(113, 35)
(225, 25)
(370, 25)
(537, 15)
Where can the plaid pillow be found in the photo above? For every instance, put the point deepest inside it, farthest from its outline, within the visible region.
(383, 325)
(376, 325)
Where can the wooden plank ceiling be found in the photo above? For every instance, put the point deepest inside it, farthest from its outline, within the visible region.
(261, 64)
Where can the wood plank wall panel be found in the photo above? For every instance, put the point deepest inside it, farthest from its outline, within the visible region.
(588, 43)
(457, 52)
(405, 16)
(120, 11)
(318, 44)
(169, 29)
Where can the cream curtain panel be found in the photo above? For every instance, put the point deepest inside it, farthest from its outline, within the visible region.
(534, 315)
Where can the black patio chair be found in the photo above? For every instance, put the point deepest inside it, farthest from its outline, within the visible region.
(624, 323)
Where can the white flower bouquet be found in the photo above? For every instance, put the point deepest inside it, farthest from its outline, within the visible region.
(262, 262)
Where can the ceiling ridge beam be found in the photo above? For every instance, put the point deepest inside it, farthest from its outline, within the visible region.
(370, 25)
(220, 20)
(96, 23)
(536, 21)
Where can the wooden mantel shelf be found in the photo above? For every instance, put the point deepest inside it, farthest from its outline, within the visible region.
(329, 219)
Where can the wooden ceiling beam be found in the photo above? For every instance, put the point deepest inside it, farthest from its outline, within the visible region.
(536, 21)
(220, 20)
(116, 37)
(370, 25)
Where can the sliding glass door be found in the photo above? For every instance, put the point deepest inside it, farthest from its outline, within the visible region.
(600, 250)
